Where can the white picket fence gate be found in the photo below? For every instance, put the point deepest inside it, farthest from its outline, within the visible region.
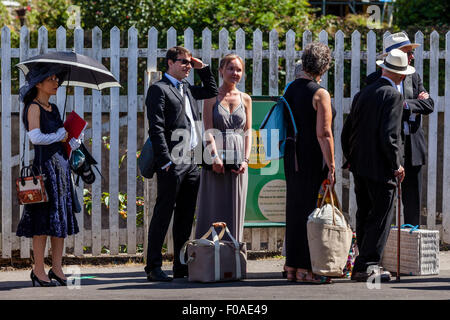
(132, 104)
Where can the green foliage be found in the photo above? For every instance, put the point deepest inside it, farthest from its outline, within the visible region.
(421, 13)
(48, 13)
(5, 18)
(197, 14)
(122, 197)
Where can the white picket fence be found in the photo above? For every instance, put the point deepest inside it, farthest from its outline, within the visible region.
(112, 103)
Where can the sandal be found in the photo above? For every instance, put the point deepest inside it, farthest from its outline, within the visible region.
(291, 274)
(310, 277)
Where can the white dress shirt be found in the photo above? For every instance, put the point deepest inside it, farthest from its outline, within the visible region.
(178, 84)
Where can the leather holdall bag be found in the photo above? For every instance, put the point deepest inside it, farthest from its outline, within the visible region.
(216, 260)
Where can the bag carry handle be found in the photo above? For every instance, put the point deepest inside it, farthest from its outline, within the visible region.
(216, 241)
(28, 171)
(413, 228)
(330, 190)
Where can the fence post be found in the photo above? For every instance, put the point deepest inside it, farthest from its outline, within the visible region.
(132, 139)
(273, 63)
(223, 47)
(257, 63)
(290, 56)
(240, 51)
(339, 105)
(371, 52)
(79, 109)
(96, 214)
(323, 38)
(189, 44)
(446, 181)
(114, 145)
(24, 52)
(433, 132)
(171, 37)
(6, 144)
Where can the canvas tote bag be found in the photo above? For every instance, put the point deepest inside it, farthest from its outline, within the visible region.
(329, 238)
(216, 260)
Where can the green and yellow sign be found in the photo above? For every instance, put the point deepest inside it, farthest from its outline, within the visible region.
(266, 197)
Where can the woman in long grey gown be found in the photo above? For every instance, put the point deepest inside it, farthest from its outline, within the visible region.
(227, 122)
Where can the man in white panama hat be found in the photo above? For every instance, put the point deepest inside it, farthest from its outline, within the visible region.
(417, 103)
(372, 145)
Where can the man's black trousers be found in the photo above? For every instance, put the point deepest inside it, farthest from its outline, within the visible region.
(176, 194)
(375, 201)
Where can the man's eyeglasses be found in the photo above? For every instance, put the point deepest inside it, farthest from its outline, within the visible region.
(185, 62)
(410, 53)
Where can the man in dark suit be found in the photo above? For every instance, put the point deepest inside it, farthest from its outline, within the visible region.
(172, 112)
(372, 146)
(417, 103)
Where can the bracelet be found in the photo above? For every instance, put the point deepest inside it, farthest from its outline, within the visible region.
(246, 160)
(214, 155)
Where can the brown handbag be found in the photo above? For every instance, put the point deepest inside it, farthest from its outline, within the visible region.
(30, 187)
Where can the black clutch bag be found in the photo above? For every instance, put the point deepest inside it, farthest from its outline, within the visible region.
(230, 158)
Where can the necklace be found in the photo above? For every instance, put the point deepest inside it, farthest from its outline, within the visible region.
(309, 77)
(47, 106)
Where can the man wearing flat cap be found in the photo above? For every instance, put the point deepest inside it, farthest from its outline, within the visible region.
(417, 103)
(372, 146)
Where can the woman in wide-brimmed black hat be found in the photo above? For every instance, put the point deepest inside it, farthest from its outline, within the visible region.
(55, 218)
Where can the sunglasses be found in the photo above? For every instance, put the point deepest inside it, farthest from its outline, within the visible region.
(185, 62)
(410, 53)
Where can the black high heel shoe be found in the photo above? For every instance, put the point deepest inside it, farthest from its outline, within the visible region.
(42, 283)
(52, 275)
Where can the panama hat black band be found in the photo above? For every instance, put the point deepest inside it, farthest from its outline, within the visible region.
(398, 45)
(391, 66)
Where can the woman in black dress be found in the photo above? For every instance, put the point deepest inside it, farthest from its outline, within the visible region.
(56, 217)
(314, 148)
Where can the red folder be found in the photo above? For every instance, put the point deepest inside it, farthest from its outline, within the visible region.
(74, 125)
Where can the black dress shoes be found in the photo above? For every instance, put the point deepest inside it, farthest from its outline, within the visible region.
(157, 274)
(180, 272)
(384, 276)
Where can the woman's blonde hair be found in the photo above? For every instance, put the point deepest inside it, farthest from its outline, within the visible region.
(230, 57)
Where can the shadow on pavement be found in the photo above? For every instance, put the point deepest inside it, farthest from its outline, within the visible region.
(138, 280)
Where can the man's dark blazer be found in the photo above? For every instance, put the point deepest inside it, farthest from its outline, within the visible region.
(165, 111)
(371, 136)
(412, 86)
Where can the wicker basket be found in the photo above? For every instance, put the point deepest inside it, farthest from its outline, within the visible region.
(419, 252)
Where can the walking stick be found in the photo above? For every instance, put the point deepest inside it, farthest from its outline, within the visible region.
(399, 195)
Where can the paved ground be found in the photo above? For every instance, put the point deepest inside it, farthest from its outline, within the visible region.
(264, 282)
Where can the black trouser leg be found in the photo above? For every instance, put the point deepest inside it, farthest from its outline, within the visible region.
(374, 223)
(363, 208)
(184, 212)
(411, 194)
(167, 189)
